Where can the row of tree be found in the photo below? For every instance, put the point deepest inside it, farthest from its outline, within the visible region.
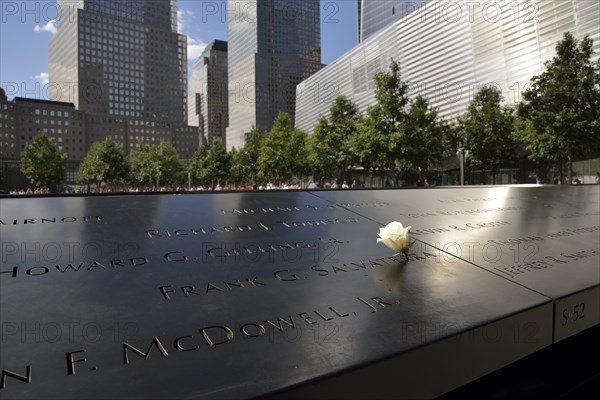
(557, 121)
(396, 135)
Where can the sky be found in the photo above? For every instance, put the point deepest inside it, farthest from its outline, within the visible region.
(27, 26)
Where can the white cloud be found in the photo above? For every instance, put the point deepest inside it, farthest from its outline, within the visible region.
(42, 78)
(195, 48)
(49, 27)
(182, 19)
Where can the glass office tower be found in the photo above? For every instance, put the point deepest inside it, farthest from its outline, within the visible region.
(273, 46)
(208, 101)
(125, 58)
(123, 63)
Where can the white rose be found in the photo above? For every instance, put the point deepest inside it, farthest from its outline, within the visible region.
(396, 237)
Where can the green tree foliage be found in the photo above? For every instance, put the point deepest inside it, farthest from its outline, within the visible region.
(244, 162)
(104, 162)
(42, 162)
(253, 143)
(144, 165)
(211, 165)
(283, 152)
(240, 170)
(370, 146)
(153, 165)
(486, 130)
(422, 143)
(452, 136)
(197, 166)
(563, 105)
(217, 163)
(236, 166)
(171, 167)
(321, 152)
(378, 141)
(329, 147)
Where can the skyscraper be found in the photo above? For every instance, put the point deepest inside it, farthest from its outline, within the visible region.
(126, 57)
(123, 63)
(376, 14)
(273, 46)
(207, 103)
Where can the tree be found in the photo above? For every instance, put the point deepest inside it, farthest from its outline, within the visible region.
(563, 105)
(217, 162)
(244, 162)
(370, 146)
(197, 166)
(486, 130)
(42, 162)
(239, 170)
(421, 143)
(283, 151)
(329, 146)
(171, 169)
(104, 162)
(151, 165)
(144, 165)
(245, 167)
(378, 141)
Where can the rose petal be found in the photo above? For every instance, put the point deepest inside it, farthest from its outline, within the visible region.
(395, 236)
(391, 244)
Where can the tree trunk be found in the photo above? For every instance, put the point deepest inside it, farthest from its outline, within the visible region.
(570, 162)
(560, 170)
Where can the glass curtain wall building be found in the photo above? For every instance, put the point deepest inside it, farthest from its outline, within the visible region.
(126, 57)
(208, 99)
(447, 50)
(273, 46)
(123, 63)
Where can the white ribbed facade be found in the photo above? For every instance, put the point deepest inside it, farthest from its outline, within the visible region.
(447, 49)
(374, 15)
